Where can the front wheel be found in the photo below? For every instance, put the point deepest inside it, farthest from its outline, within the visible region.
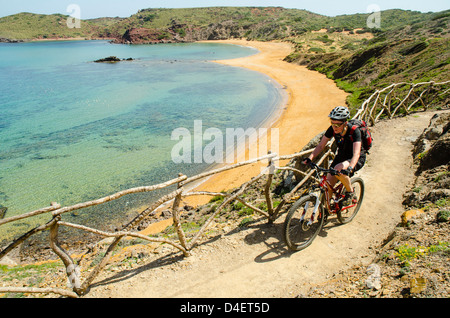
(348, 213)
(303, 222)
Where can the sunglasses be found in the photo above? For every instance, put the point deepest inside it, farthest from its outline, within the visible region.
(337, 125)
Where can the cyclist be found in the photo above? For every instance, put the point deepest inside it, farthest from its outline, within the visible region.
(350, 155)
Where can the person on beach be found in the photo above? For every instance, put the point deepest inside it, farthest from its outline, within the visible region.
(350, 155)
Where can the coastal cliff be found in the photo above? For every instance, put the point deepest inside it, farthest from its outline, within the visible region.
(147, 36)
(5, 40)
(182, 33)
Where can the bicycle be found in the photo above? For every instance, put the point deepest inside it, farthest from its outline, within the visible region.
(308, 214)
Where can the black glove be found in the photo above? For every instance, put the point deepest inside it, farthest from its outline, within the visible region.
(348, 171)
(307, 161)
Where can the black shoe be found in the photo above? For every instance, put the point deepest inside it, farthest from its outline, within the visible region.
(349, 199)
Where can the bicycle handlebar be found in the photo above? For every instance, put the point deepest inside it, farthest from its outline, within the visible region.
(331, 170)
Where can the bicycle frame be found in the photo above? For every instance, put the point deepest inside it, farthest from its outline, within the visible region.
(325, 187)
(328, 190)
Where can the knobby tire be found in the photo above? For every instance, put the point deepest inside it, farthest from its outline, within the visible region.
(297, 234)
(348, 215)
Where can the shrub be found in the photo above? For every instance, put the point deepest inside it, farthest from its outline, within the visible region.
(316, 50)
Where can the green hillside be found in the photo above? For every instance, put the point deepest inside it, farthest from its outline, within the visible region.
(416, 51)
(278, 22)
(261, 23)
(28, 26)
(408, 46)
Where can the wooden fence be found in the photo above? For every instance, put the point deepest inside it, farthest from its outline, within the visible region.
(389, 101)
(403, 98)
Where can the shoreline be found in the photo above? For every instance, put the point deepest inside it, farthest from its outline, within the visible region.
(310, 98)
(297, 80)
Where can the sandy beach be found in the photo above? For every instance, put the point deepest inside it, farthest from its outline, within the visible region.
(311, 96)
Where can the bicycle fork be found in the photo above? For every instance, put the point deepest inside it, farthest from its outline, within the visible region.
(316, 207)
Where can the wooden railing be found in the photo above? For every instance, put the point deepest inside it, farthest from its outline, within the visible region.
(402, 98)
(385, 101)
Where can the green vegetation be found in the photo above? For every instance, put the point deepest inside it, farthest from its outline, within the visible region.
(19, 272)
(24, 26)
(413, 48)
(33, 275)
(441, 203)
(406, 253)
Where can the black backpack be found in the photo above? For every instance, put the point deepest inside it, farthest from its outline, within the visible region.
(366, 136)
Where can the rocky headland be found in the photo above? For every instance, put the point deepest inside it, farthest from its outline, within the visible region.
(182, 33)
(112, 59)
(5, 40)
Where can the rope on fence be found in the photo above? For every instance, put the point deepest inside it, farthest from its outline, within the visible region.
(386, 101)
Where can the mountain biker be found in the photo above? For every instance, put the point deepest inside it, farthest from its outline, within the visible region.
(350, 155)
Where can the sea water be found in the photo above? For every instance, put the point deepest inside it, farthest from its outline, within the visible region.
(72, 130)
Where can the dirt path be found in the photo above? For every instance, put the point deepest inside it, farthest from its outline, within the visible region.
(254, 262)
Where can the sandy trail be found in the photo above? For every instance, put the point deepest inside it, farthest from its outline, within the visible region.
(254, 262)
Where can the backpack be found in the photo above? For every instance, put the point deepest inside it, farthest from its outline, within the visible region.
(366, 136)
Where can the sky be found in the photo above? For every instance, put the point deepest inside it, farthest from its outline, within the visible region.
(89, 9)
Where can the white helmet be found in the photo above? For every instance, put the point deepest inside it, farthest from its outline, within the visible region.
(339, 113)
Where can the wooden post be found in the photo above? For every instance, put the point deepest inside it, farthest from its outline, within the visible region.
(176, 219)
(267, 191)
(100, 266)
(72, 271)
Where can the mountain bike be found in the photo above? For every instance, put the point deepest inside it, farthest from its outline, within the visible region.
(308, 214)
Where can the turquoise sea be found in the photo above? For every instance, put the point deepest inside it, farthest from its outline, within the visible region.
(72, 130)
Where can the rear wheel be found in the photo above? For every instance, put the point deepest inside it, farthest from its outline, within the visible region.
(347, 214)
(301, 226)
